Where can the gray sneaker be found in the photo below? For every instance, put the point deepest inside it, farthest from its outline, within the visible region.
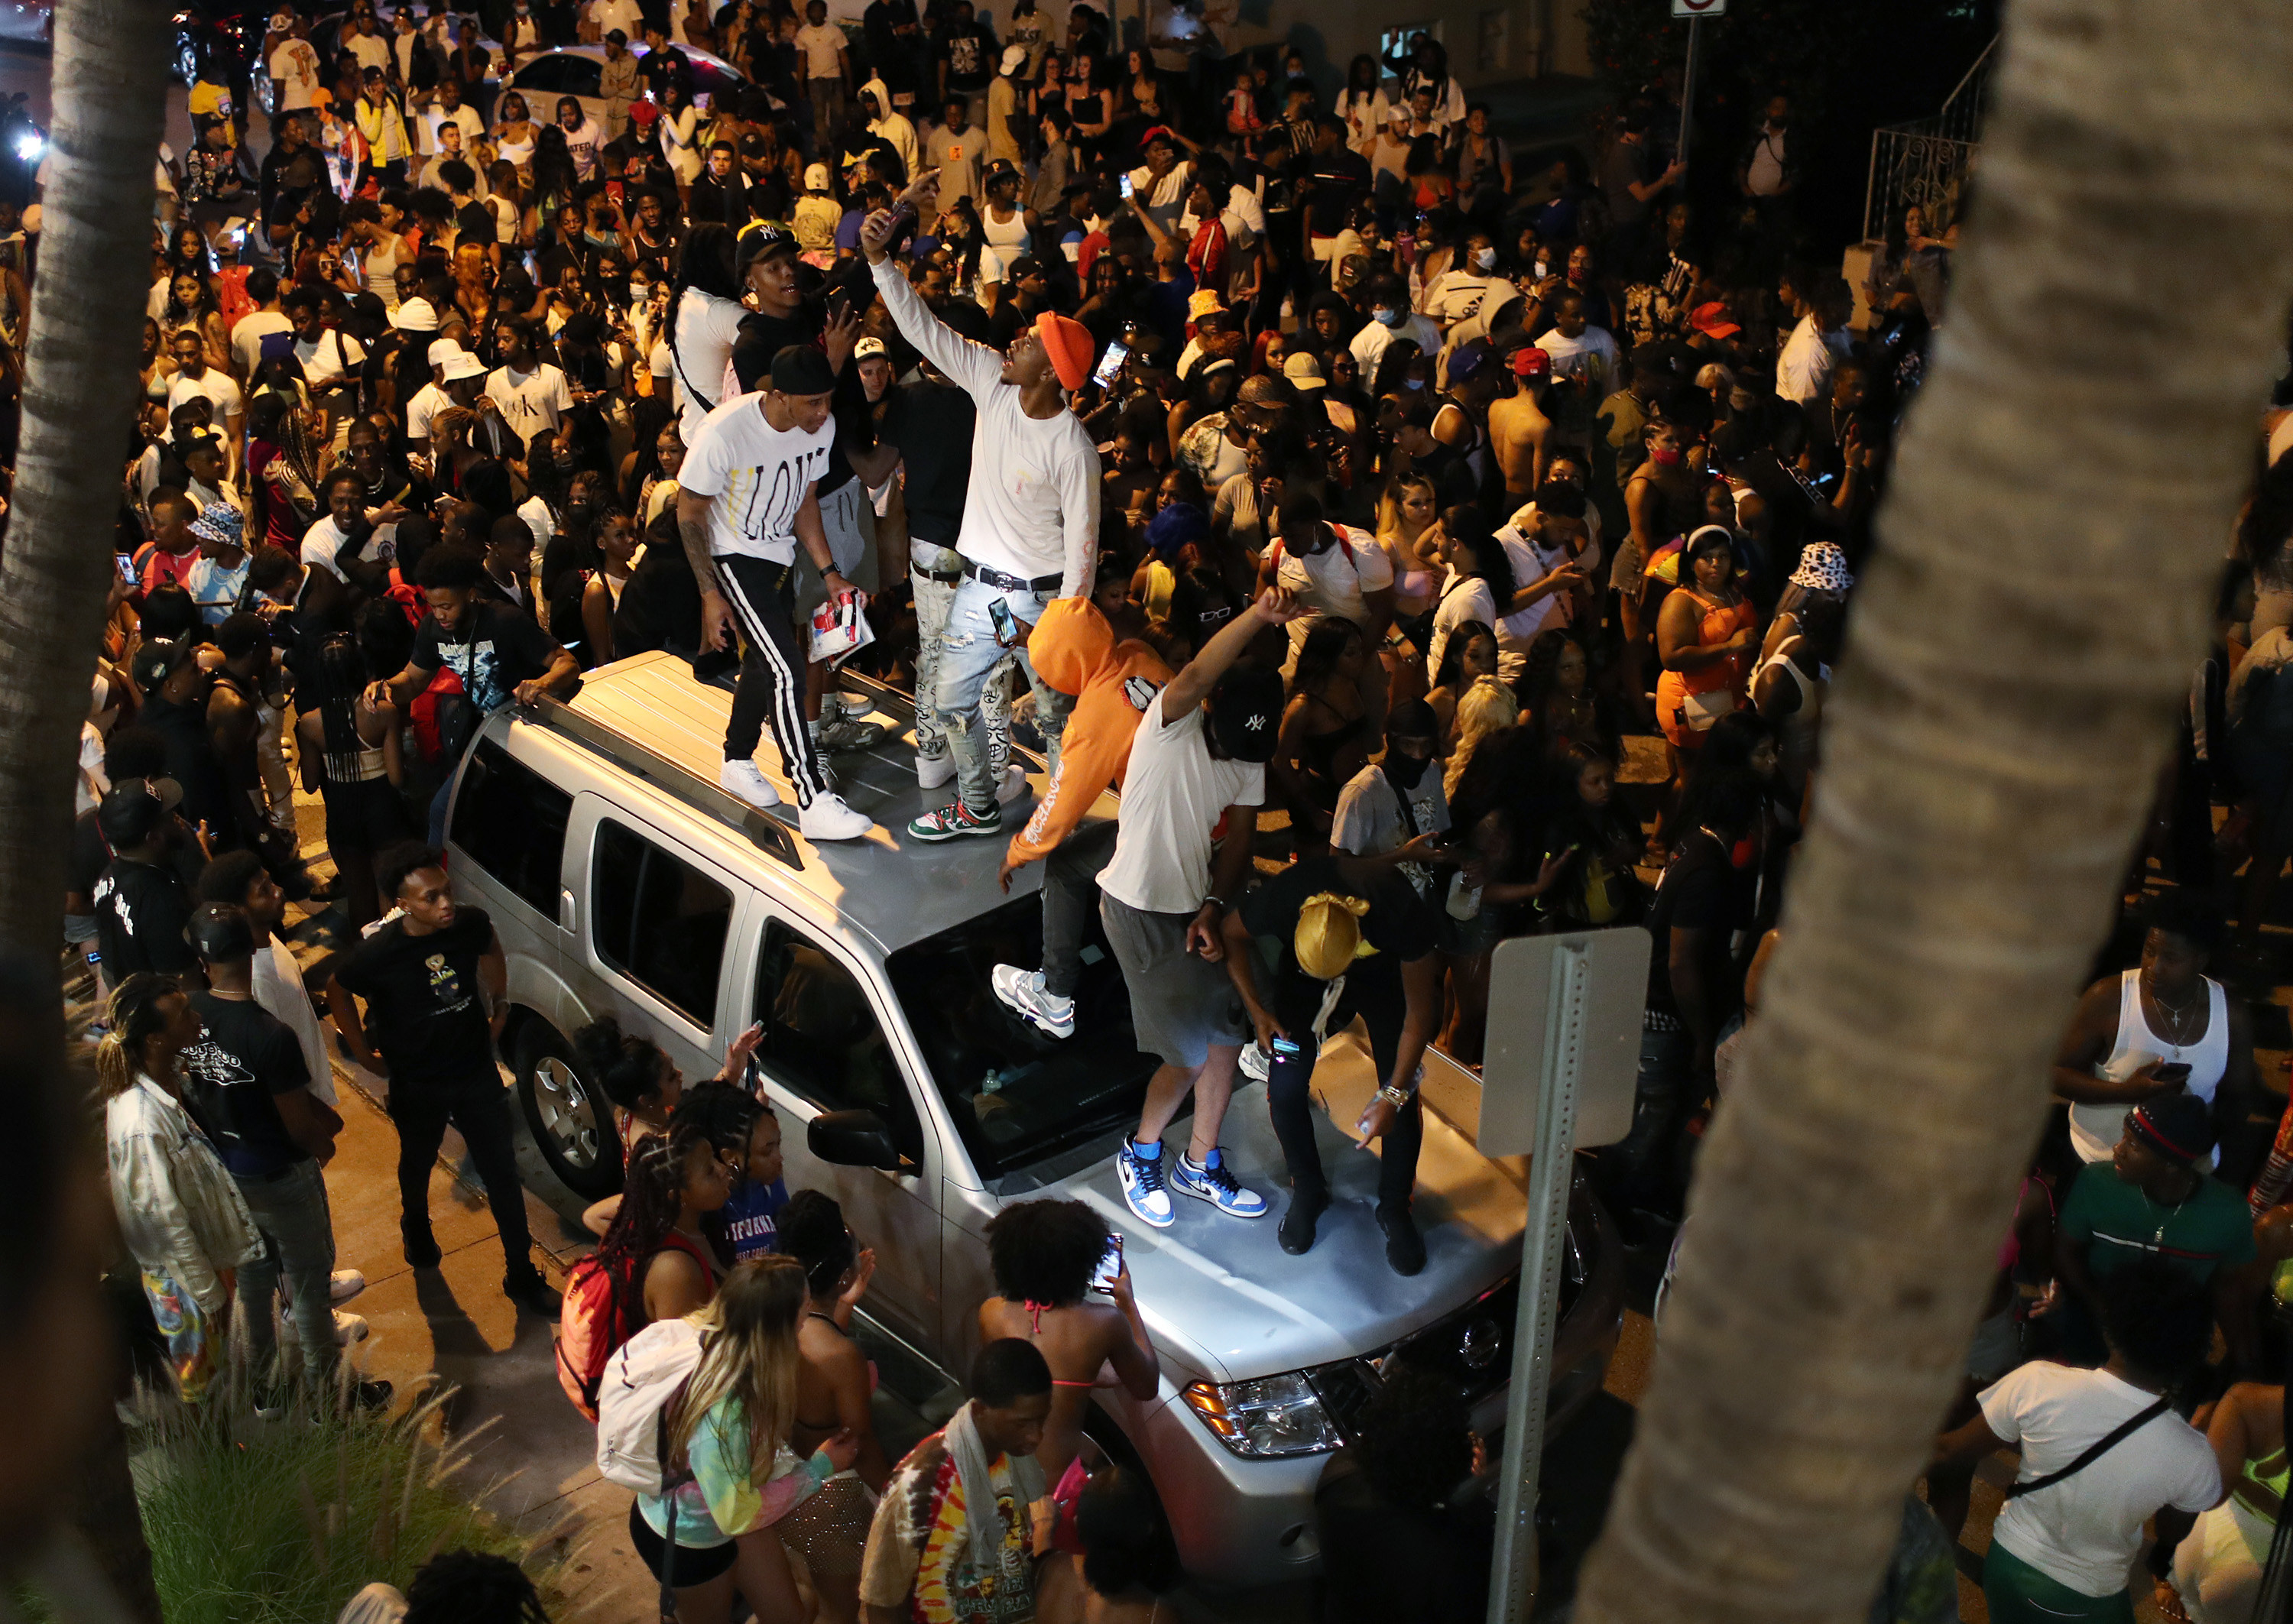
(849, 735)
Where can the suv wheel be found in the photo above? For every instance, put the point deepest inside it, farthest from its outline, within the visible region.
(571, 1121)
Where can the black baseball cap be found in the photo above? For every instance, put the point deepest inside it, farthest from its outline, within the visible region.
(219, 932)
(799, 369)
(129, 815)
(156, 662)
(1026, 265)
(1246, 713)
(760, 238)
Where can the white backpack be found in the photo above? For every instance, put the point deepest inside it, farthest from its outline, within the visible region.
(642, 1378)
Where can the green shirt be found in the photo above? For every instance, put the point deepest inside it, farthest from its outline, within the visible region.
(2212, 1229)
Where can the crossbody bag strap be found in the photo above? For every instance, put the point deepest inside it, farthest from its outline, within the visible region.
(2096, 1451)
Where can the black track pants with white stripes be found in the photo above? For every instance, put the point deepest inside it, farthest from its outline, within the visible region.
(772, 672)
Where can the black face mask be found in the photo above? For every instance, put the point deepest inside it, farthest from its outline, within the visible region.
(1405, 769)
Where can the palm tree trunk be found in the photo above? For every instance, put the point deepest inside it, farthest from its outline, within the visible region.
(2019, 643)
(79, 401)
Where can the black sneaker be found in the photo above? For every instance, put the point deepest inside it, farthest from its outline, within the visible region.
(372, 1395)
(1297, 1232)
(421, 1250)
(535, 1295)
(1404, 1247)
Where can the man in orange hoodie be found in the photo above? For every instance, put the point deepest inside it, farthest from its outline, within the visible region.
(1111, 682)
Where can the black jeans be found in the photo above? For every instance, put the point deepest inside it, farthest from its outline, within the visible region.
(479, 1109)
(771, 671)
(1289, 1094)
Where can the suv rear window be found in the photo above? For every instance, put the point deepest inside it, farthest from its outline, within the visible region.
(658, 920)
(511, 821)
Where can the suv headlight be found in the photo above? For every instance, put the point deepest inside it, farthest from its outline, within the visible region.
(1270, 1417)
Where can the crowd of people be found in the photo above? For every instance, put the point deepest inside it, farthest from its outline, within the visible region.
(1433, 541)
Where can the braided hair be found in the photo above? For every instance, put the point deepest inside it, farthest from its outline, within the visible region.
(721, 1115)
(813, 1231)
(651, 1197)
(136, 1014)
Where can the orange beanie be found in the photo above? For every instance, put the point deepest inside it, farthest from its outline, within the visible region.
(1069, 344)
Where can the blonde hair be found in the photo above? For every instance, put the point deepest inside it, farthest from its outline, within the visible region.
(749, 1354)
(1486, 708)
(1328, 938)
(134, 1016)
(1388, 505)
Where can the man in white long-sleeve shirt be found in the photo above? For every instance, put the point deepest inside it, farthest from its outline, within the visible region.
(1030, 530)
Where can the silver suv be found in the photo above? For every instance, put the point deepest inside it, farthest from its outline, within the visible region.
(621, 879)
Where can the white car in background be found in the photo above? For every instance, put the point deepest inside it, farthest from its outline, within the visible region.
(578, 71)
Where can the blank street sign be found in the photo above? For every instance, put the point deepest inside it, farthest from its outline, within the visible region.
(1571, 1003)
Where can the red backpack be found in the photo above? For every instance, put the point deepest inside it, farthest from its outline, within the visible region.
(601, 1311)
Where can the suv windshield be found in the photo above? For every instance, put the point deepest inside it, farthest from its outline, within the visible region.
(1018, 1096)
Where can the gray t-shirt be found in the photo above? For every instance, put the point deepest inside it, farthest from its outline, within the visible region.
(1625, 166)
(1369, 818)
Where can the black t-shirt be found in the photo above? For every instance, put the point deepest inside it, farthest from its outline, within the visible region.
(497, 648)
(141, 910)
(1399, 925)
(1341, 178)
(967, 50)
(422, 1000)
(234, 1075)
(1697, 893)
(762, 336)
(931, 423)
(1400, 1564)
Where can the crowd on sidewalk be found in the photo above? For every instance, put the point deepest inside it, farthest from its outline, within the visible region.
(1351, 491)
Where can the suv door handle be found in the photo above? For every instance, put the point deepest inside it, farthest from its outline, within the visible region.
(568, 911)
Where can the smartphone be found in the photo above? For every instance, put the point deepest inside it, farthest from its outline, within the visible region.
(2174, 1071)
(1007, 629)
(1110, 1266)
(1287, 1048)
(839, 303)
(1111, 363)
(1126, 186)
(127, 562)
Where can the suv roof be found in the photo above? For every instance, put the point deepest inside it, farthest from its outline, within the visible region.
(891, 887)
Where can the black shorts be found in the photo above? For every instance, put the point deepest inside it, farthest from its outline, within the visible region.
(695, 1564)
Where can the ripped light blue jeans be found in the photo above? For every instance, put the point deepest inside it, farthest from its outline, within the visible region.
(968, 657)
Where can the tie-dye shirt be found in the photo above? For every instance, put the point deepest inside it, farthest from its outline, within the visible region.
(918, 1559)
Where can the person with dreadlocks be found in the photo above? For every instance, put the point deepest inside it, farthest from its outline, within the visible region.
(645, 1086)
(726, 1429)
(182, 1217)
(452, 1587)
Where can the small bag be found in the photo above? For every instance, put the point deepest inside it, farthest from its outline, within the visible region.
(1699, 711)
(641, 1384)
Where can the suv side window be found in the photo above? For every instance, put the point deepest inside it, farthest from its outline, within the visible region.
(512, 820)
(658, 920)
(821, 1039)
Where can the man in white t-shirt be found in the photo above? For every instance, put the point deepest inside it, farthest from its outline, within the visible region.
(827, 70)
(2103, 1452)
(193, 377)
(1584, 357)
(1197, 765)
(248, 332)
(1804, 363)
(294, 64)
(346, 531)
(1330, 568)
(530, 394)
(628, 16)
(583, 136)
(1549, 548)
(329, 357)
(745, 499)
(455, 376)
(1391, 319)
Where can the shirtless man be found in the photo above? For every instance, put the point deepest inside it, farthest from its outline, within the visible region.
(1519, 430)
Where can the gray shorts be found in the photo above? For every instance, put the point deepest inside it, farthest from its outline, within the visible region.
(1181, 1004)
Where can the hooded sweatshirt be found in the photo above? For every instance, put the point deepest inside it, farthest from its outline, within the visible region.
(892, 127)
(1074, 650)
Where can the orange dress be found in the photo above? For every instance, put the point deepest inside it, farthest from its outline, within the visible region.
(1721, 622)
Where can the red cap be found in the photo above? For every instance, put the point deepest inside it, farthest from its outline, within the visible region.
(1712, 321)
(1069, 344)
(1531, 363)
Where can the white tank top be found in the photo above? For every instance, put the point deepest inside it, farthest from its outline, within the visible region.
(2095, 1130)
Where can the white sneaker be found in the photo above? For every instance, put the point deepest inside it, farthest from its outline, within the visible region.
(1014, 787)
(343, 1284)
(933, 771)
(349, 1328)
(1022, 992)
(828, 818)
(746, 780)
(1256, 1063)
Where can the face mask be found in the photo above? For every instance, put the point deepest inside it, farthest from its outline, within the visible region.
(1414, 383)
(1664, 456)
(1385, 318)
(1485, 259)
(1405, 769)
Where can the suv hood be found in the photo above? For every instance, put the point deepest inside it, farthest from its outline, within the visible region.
(1225, 1300)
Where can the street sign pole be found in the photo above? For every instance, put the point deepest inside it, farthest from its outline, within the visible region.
(1586, 1053)
(1687, 82)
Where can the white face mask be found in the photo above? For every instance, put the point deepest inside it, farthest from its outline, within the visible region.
(1485, 259)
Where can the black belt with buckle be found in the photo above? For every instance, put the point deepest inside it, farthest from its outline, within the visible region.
(945, 577)
(1009, 583)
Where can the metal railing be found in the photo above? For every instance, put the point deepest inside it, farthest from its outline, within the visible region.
(1928, 161)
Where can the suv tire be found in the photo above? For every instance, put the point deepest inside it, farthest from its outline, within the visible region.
(570, 1118)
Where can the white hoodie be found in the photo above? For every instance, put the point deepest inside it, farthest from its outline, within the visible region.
(893, 126)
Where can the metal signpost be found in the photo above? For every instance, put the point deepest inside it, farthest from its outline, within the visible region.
(1696, 11)
(1559, 1062)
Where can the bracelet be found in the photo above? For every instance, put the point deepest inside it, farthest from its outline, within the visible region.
(1217, 902)
(1396, 1097)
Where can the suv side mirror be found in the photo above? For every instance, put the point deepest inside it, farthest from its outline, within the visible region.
(853, 1139)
